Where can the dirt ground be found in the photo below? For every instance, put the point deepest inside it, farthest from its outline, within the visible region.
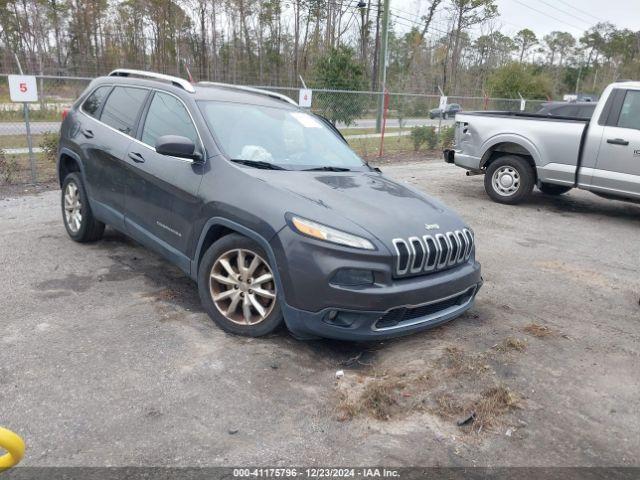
(106, 357)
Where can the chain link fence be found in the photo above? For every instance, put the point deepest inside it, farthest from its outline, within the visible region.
(412, 122)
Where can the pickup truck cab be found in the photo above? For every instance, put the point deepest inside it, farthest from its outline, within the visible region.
(264, 206)
(517, 151)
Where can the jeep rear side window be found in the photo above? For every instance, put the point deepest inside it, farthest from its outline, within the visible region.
(92, 104)
(167, 116)
(630, 113)
(122, 108)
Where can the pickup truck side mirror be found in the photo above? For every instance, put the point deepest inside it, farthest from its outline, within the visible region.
(177, 146)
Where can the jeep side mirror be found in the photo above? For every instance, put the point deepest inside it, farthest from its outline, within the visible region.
(177, 146)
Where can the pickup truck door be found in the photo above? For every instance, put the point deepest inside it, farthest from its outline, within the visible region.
(618, 164)
(161, 192)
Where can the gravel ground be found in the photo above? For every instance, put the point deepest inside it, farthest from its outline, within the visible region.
(107, 359)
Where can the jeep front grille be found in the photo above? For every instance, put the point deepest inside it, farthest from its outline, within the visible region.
(430, 253)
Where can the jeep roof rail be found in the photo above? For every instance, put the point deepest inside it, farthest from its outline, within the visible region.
(260, 91)
(177, 81)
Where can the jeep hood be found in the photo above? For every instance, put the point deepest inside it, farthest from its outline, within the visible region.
(385, 208)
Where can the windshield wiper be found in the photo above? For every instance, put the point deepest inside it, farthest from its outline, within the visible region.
(258, 164)
(327, 168)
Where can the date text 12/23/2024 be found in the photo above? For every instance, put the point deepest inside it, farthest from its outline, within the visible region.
(315, 473)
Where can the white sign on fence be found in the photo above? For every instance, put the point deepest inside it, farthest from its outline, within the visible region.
(523, 104)
(443, 103)
(304, 99)
(23, 88)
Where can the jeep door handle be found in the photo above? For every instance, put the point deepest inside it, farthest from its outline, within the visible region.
(617, 141)
(86, 133)
(136, 157)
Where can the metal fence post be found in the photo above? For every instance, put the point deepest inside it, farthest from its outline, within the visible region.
(32, 160)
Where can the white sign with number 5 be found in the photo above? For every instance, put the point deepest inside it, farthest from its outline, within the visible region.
(23, 88)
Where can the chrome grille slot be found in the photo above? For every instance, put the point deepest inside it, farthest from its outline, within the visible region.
(403, 256)
(463, 246)
(445, 250)
(430, 253)
(454, 248)
(417, 249)
(469, 235)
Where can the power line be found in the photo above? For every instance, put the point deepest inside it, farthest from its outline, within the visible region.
(571, 14)
(583, 11)
(549, 16)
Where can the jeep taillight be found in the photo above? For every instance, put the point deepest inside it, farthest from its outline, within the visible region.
(65, 112)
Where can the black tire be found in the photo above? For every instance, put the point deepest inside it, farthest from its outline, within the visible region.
(444, 116)
(89, 229)
(551, 189)
(219, 249)
(519, 170)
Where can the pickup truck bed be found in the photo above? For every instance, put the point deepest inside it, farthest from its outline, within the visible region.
(555, 153)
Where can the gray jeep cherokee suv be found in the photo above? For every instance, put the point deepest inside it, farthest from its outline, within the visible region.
(265, 206)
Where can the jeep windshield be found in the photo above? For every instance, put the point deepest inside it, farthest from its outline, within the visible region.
(277, 138)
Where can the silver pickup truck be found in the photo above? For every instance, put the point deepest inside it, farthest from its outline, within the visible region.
(516, 151)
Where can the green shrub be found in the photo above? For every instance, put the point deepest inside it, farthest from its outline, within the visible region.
(424, 135)
(432, 138)
(49, 145)
(447, 137)
(8, 167)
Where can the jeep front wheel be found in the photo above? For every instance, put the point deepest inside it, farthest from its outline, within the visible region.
(237, 287)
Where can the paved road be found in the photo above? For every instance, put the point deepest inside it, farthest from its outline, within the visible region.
(19, 128)
(106, 357)
(393, 123)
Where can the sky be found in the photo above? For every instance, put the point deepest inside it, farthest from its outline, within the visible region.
(543, 16)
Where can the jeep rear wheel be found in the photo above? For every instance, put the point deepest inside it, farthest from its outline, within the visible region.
(237, 287)
(509, 179)
(77, 216)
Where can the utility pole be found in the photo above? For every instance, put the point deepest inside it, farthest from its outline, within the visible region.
(383, 62)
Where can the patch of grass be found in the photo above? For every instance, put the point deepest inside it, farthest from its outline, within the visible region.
(537, 330)
(18, 141)
(365, 131)
(457, 362)
(511, 344)
(447, 406)
(377, 399)
(370, 147)
(454, 386)
(493, 403)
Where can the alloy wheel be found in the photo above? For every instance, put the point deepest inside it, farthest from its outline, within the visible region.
(72, 207)
(242, 287)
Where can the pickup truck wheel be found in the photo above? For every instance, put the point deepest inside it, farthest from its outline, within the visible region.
(509, 179)
(551, 189)
(237, 287)
(78, 219)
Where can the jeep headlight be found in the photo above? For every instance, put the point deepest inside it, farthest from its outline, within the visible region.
(328, 234)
